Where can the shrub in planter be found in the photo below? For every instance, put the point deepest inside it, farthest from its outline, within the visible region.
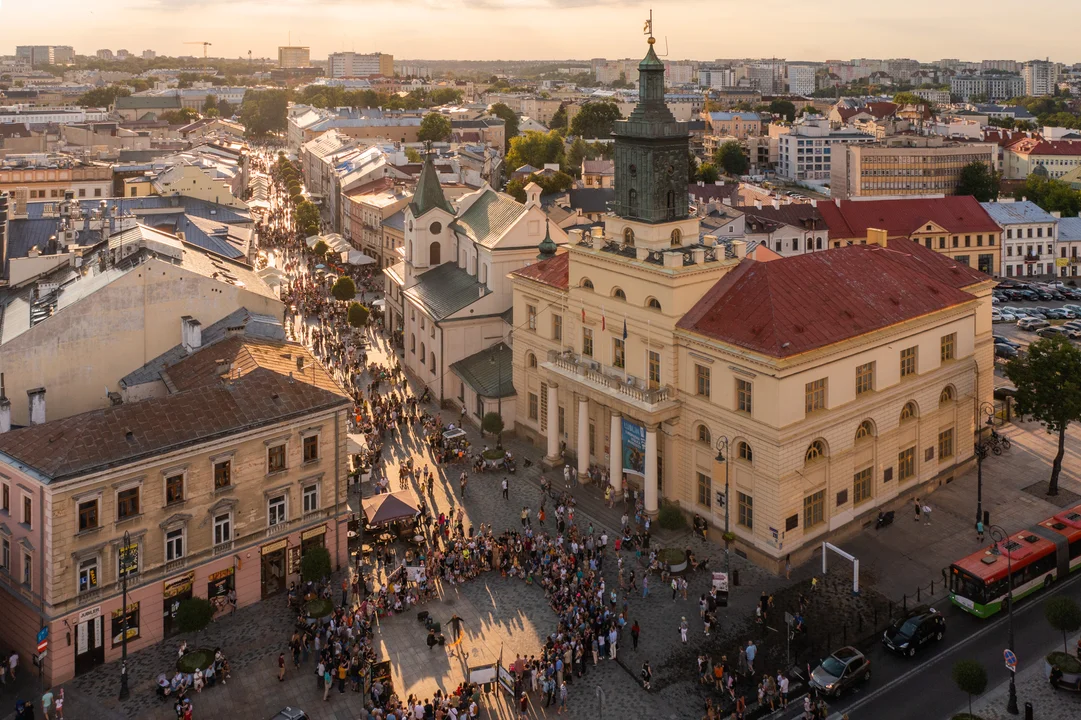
(1066, 663)
(670, 517)
(193, 660)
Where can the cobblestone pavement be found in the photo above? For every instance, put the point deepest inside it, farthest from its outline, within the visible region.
(1032, 687)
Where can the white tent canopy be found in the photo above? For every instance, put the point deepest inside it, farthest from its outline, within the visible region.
(356, 257)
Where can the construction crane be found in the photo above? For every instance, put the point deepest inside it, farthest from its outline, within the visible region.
(204, 44)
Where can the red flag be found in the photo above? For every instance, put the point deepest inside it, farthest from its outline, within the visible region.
(602, 320)
(583, 313)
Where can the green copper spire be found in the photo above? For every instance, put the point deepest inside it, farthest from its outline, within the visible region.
(429, 193)
(547, 247)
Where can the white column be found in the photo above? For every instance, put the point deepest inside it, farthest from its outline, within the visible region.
(651, 469)
(553, 424)
(616, 458)
(583, 438)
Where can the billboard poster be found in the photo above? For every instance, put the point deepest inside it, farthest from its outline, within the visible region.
(634, 448)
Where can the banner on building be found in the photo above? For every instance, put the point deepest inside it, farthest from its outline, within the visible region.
(129, 559)
(634, 448)
(178, 585)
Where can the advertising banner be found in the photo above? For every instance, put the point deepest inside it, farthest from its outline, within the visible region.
(634, 448)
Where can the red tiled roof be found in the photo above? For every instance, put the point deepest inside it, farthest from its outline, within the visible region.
(554, 272)
(1033, 146)
(880, 110)
(901, 218)
(797, 304)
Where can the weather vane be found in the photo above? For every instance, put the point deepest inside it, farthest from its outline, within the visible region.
(648, 29)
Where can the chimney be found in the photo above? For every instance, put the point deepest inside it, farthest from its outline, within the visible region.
(224, 366)
(739, 247)
(837, 201)
(191, 333)
(814, 203)
(776, 204)
(480, 291)
(574, 236)
(709, 240)
(37, 406)
(5, 414)
(757, 204)
(877, 237)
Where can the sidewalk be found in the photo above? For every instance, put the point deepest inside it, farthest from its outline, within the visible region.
(1032, 687)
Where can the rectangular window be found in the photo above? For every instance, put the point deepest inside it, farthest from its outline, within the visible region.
(544, 401)
(174, 489)
(311, 448)
(28, 570)
(88, 515)
(861, 486)
(908, 362)
(906, 464)
(174, 544)
(562, 420)
(127, 503)
(223, 474)
(744, 395)
(592, 438)
(745, 512)
(705, 489)
(945, 444)
(88, 575)
(276, 510)
(311, 499)
(701, 380)
(865, 378)
(619, 353)
(275, 459)
(534, 404)
(531, 317)
(653, 368)
(5, 554)
(815, 395)
(223, 528)
(587, 342)
(6, 491)
(814, 507)
(949, 343)
(28, 512)
(557, 327)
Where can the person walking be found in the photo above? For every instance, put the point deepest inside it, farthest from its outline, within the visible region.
(462, 481)
(60, 704)
(750, 652)
(979, 531)
(562, 698)
(635, 630)
(456, 625)
(683, 630)
(506, 487)
(917, 508)
(281, 667)
(47, 703)
(647, 675)
(328, 682)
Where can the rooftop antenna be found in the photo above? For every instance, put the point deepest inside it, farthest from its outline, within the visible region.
(648, 30)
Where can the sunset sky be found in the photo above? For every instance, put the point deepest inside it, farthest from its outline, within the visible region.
(550, 29)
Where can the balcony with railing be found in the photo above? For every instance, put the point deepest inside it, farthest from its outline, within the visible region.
(609, 380)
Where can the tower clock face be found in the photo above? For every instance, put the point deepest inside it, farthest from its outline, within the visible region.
(632, 169)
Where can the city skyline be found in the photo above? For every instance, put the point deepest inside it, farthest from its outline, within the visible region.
(523, 29)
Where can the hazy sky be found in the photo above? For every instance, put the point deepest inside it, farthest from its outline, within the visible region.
(551, 29)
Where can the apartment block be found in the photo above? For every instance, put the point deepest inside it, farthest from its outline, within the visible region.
(294, 56)
(351, 64)
(904, 165)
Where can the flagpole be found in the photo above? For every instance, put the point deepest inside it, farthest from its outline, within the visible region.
(624, 348)
(648, 328)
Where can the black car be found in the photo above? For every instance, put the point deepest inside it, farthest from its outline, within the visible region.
(1006, 352)
(910, 633)
(1003, 340)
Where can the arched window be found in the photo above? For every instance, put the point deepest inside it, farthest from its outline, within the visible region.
(628, 236)
(412, 343)
(946, 396)
(909, 411)
(484, 273)
(619, 294)
(531, 360)
(865, 430)
(433, 362)
(677, 238)
(815, 451)
(704, 435)
(745, 452)
(586, 284)
(632, 202)
(671, 202)
(433, 254)
(423, 352)
(653, 304)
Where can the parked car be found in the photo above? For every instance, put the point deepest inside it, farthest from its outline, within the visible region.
(1058, 314)
(1052, 332)
(908, 634)
(1008, 317)
(1006, 352)
(841, 671)
(1074, 308)
(1031, 323)
(1003, 340)
(1072, 325)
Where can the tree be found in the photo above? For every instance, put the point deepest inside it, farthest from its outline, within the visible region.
(730, 157)
(194, 614)
(263, 112)
(1063, 614)
(211, 103)
(358, 315)
(578, 151)
(413, 156)
(344, 288)
(707, 173)
(595, 120)
(226, 109)
(1048, 382)
(307, 219)
(103, 96)
(979, 181)
(971, 678)
(509, 118)
(534, 148)
(554, 183)
(315, 564)
(1050, 194)
(183, 116)
(784, 108)
(907, 98)
(809, 110)
(492, 423)
(559, 120)
(320, 249)
(435, 127)
(692, 166)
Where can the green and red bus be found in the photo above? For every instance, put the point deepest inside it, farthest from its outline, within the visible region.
(1037, 557)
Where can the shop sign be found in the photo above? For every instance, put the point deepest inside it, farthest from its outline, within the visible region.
(274, 546)
(294, 560)
(314, 532)
(178, 585)
(88, 615)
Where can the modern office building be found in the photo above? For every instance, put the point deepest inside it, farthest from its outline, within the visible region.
(351, 64)
(904, 165)
(294, 56)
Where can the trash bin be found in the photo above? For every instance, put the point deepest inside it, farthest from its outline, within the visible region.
(735, 578)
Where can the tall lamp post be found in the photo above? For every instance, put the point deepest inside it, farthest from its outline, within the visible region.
(998, 535)
(499, 399)
(987, 409)
(125, 568)
(722, 451)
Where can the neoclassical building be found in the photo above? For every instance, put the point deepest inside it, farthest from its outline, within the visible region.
(833, 383)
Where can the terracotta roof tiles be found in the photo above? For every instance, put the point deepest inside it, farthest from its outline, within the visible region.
(554, 272)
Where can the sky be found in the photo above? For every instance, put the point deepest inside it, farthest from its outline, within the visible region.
(550, 29)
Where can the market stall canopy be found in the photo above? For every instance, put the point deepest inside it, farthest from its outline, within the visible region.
(355, 443)
(311, 241)
(389, 507)
(356, 257)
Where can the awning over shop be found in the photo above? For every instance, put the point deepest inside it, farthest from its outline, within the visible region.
(389, 507)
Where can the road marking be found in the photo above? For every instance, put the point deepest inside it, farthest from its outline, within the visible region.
(942, 655)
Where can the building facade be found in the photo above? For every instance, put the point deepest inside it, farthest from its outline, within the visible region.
(991, 87)
(1029, 235)
(905, 166)
(294, 56)
(806, 151)
(801, 79)
(352, 64)
(1040, 78)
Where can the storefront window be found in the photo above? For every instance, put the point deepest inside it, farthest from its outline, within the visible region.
(118, 624)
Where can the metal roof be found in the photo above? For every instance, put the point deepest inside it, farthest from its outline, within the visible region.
(446, 289)
(489, 372)
(489, 217)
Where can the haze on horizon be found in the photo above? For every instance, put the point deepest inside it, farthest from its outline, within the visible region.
(926, 30)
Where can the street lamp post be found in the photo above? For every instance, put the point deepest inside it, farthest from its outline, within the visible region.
(987, 409)
(998, 535)
(124, 569)
(499, 398)
(722, 451)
